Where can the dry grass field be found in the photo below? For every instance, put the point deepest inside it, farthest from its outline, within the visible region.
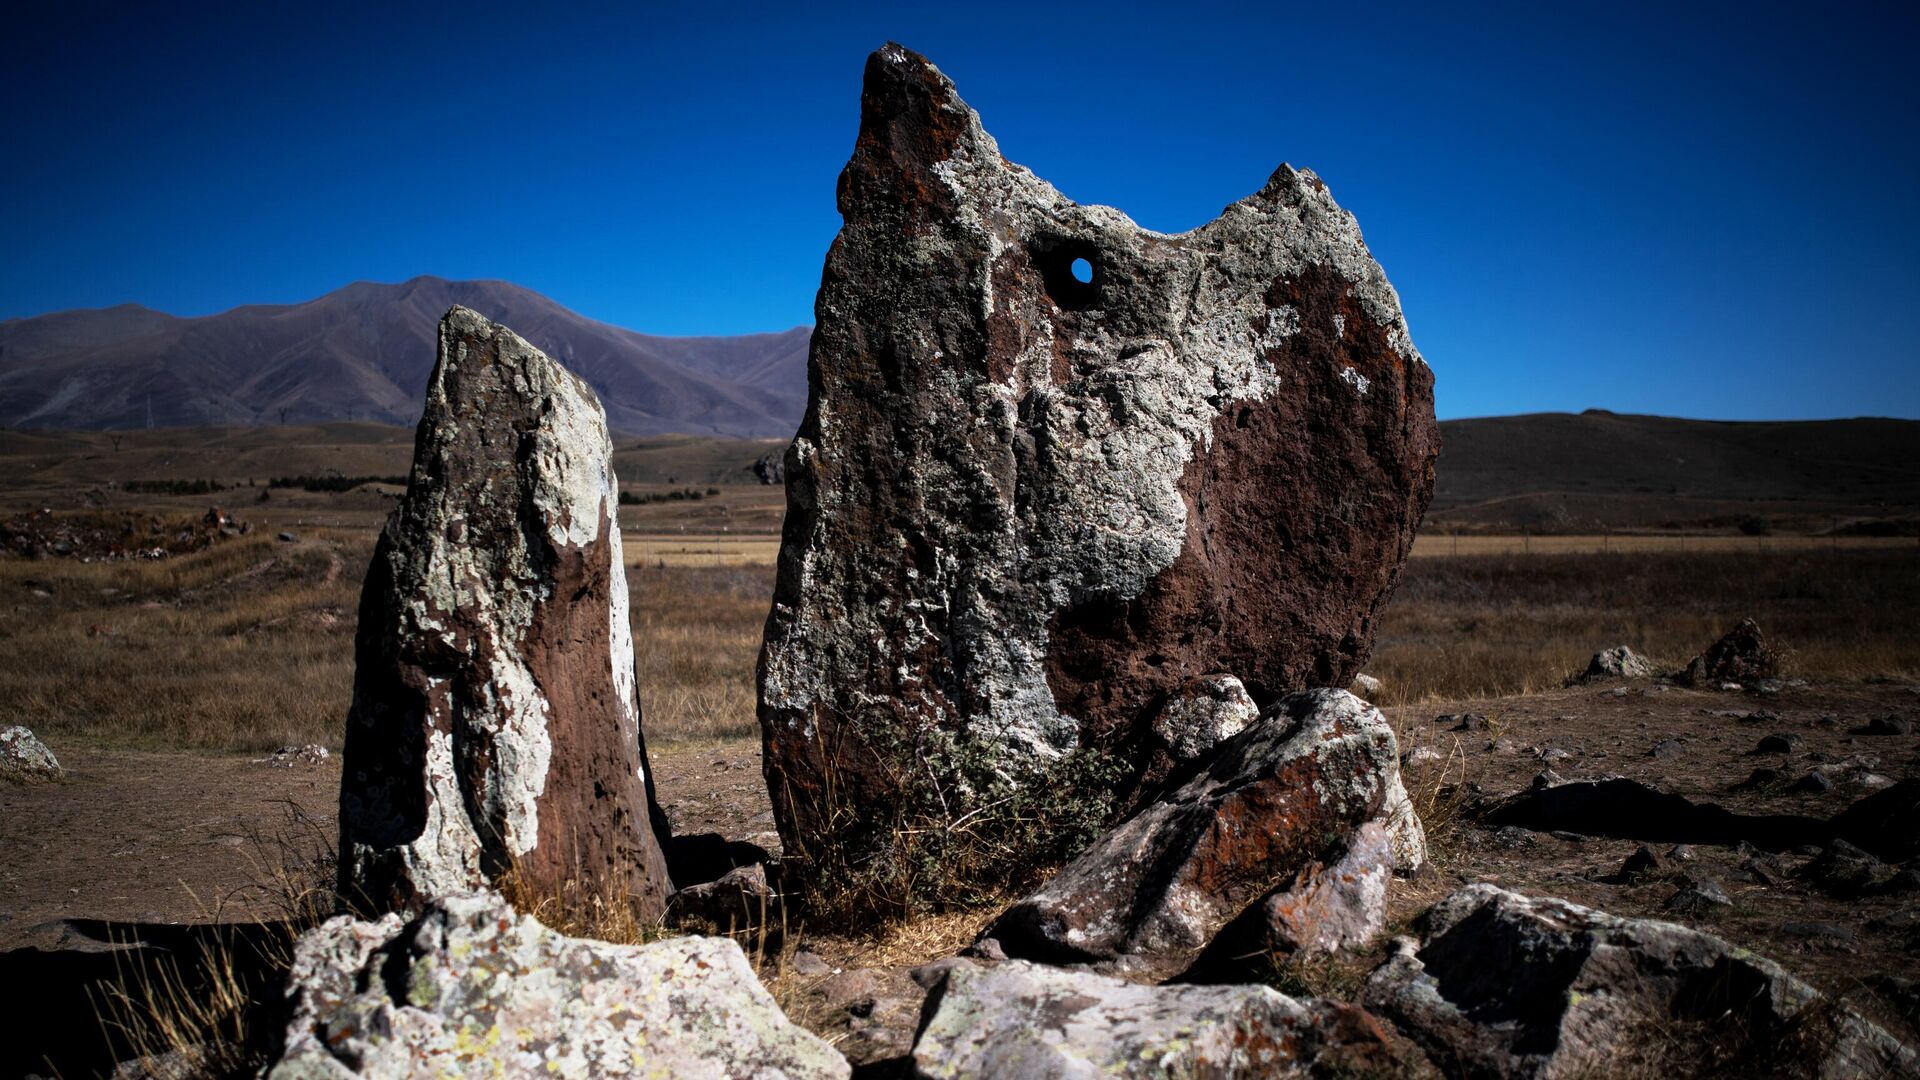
(248, 646)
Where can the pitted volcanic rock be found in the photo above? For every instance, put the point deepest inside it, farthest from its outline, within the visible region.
(495, 728)
(1054, 465)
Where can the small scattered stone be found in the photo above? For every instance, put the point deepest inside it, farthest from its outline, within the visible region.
(1820, 931)
(1645, 863)
(1698, 895)
(1365, 686)
(1761, 780)
(1667, 750)
(810, 964)
(1513, 837)
(1814, 783)
(1886, 725)
(1682, 853)
(1778, 744)
(288, 538)
(1422, 755)
(1465, 722)
(1845, 871)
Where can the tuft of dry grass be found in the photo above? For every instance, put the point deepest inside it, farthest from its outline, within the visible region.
(244, 646)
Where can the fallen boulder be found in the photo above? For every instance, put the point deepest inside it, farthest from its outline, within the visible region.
(24, 759)
(1506, 985)
(494, 732)
(1626, 809)
(1293, 790)
(1740, 656)
(470, 988)
(1034, 490)
(1018, 1019)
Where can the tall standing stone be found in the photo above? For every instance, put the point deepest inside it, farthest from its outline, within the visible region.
(1055, 465)
(495, 730)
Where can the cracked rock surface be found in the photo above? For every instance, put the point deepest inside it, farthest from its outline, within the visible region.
(1054, 464)
(495, 727)
(1315, 779)
(1026, 1020)
(469, 988)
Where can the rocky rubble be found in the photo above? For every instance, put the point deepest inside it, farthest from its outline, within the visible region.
(1034, 490)
(1505, 985)
(1619, 662)
(1292, 792)
(106, 536)
(495, 727)
(468, 987)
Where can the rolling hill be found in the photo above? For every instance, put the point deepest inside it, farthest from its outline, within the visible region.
(363, 353)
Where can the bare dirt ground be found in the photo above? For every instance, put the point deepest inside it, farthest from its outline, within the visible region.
(166, 837)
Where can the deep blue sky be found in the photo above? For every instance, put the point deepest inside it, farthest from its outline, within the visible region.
(1708, 211)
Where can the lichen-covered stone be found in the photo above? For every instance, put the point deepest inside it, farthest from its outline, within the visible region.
(495, 729)
(24, 758)
(1202, 713)
(469, 988)
(1619, 662)
(1024, 507)
(1515, 986)
(1294, 790)
(1038, 1023)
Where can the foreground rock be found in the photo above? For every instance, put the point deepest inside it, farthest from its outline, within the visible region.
(1740, 656)
(1025, 506)
(470, 988)
(24, 759)
(1886, 823)
(1288, 795)
(1024, 1020)
(495, 730)
(1517, 986)
(1511, 986)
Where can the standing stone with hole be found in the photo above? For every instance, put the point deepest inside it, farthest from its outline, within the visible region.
(1024, 509)
(494, 736)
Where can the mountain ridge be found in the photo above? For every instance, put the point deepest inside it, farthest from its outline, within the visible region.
(363, 352)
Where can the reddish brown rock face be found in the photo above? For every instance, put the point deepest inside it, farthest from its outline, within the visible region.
(1054, 465)
(495, 729)
(1315, 779)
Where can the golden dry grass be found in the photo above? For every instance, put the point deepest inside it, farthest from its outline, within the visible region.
(249, 645)
(1485, 626)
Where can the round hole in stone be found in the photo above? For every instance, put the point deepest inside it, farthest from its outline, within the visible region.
(1082, 271)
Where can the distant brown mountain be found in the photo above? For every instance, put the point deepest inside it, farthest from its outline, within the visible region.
(364, 353)
(1564, 471)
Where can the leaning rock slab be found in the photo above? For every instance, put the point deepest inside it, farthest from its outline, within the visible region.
(25, 759)
(1513, 986)
(1295, 789)
(1023, 1020)
(470, 988)
(1025, 505)
(495, 729)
